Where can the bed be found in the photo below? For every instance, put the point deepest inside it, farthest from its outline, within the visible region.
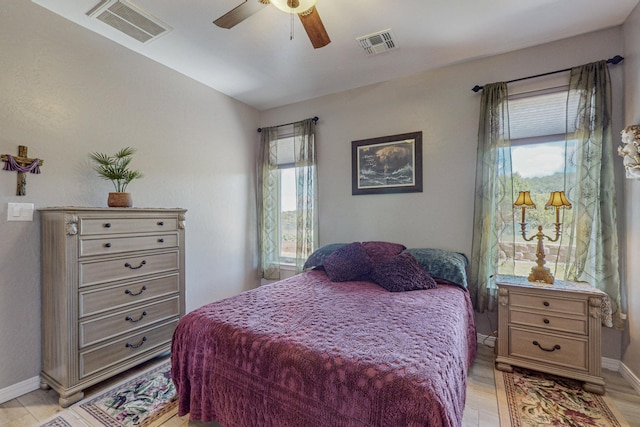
(319, 350)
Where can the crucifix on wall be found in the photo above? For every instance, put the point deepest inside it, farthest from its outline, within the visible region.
(21, 164)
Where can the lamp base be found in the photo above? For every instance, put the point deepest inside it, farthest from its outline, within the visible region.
(541, 274)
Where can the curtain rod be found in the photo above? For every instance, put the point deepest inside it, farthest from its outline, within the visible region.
(315, 120)
(615, 60)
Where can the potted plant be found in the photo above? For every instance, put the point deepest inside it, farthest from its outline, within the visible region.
(115, 168)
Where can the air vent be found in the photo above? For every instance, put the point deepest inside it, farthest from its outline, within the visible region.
(129, 19)
(376, 43)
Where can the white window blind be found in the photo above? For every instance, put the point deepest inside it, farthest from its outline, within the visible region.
(286, 156)
(540, 115)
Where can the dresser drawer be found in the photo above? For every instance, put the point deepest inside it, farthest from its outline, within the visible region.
(106, 225)
(127, 321)
(94, 272)
(549, 349)
(120, 350)
(546, 321)
(114, 245)
(93, 301)
(548, 304)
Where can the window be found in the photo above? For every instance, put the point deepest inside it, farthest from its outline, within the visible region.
(537, 123)
(288, 198)
(287, 215)
(533, 121)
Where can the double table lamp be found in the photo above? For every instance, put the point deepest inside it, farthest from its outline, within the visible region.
(557, 200)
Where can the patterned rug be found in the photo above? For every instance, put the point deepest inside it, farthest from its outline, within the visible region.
(144, 401)
(533, 399)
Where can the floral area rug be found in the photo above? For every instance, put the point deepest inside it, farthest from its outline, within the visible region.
(533, 399)
(144, 401)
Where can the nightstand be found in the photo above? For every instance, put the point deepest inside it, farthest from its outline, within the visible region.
(551, 328)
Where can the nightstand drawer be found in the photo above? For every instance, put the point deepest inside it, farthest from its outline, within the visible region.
(108, 225)
(114, 245)
(119, 351)
(93, 301)
(548, 304)
(545, 321)
(549, 349)
(127, 321)
(94, 272)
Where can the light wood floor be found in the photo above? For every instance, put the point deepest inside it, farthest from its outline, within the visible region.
(481, 408)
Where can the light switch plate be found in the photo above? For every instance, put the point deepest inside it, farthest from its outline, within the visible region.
(20, 212)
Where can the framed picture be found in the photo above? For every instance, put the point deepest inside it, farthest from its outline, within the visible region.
(389, 164)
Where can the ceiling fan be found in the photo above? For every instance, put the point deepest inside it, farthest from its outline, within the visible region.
(305, 9)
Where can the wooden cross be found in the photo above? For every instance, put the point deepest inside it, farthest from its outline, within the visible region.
(23, 161)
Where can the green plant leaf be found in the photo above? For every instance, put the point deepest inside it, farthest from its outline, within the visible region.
(115, 168)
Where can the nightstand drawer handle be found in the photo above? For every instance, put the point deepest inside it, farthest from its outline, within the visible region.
(128, 292)
(160, 223)
(546, 321)
(107, 245)
(129, 345)
(546, 303)
(555, 347)
(160, 240)
(107, 225)
(132, 320)
(126, 264)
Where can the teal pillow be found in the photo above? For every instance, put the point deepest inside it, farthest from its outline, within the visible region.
(442, 264)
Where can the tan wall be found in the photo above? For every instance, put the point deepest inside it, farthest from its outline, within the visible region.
(439, 103)
(64, 92)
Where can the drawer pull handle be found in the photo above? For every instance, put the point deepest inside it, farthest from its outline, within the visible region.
(129, 345)
(128, 292)
(132, 320)
(107, 225)
(160, 223)
(546, 321)
(546, 303)
(161, 240)
(107, 245)
(135, 268)
(555, 347)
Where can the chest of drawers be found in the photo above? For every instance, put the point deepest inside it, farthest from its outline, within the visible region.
(112, 292)
(551, 328)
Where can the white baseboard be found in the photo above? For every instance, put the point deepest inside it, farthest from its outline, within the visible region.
(16, 390)
(611, 364)
(629, 376)
(488, 340)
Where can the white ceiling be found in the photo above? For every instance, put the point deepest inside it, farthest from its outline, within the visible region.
(257, 63)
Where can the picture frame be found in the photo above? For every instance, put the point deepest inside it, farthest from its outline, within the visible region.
(388, 164)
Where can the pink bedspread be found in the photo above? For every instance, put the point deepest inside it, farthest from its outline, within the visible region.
(309, 352)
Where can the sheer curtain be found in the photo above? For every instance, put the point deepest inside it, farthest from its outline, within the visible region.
(593, 245)
(493, 193)
(306, 191)
(278, 149)
(589, 184)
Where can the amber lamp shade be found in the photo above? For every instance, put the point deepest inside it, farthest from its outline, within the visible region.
(524, 201)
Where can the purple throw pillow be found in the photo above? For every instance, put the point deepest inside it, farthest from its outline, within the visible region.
(380, 251)
(350, 262)
(402, 273)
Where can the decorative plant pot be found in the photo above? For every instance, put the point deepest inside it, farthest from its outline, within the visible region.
(120, 200)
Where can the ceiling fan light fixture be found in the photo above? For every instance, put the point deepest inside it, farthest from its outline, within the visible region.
(294, 6)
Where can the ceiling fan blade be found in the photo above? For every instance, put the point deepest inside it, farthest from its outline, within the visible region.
(315, 28)
(239, 14)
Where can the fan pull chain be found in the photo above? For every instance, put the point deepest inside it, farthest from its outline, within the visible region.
(292, 24)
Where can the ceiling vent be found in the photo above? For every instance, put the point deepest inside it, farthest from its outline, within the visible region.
(129, 19)
(376, 43)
